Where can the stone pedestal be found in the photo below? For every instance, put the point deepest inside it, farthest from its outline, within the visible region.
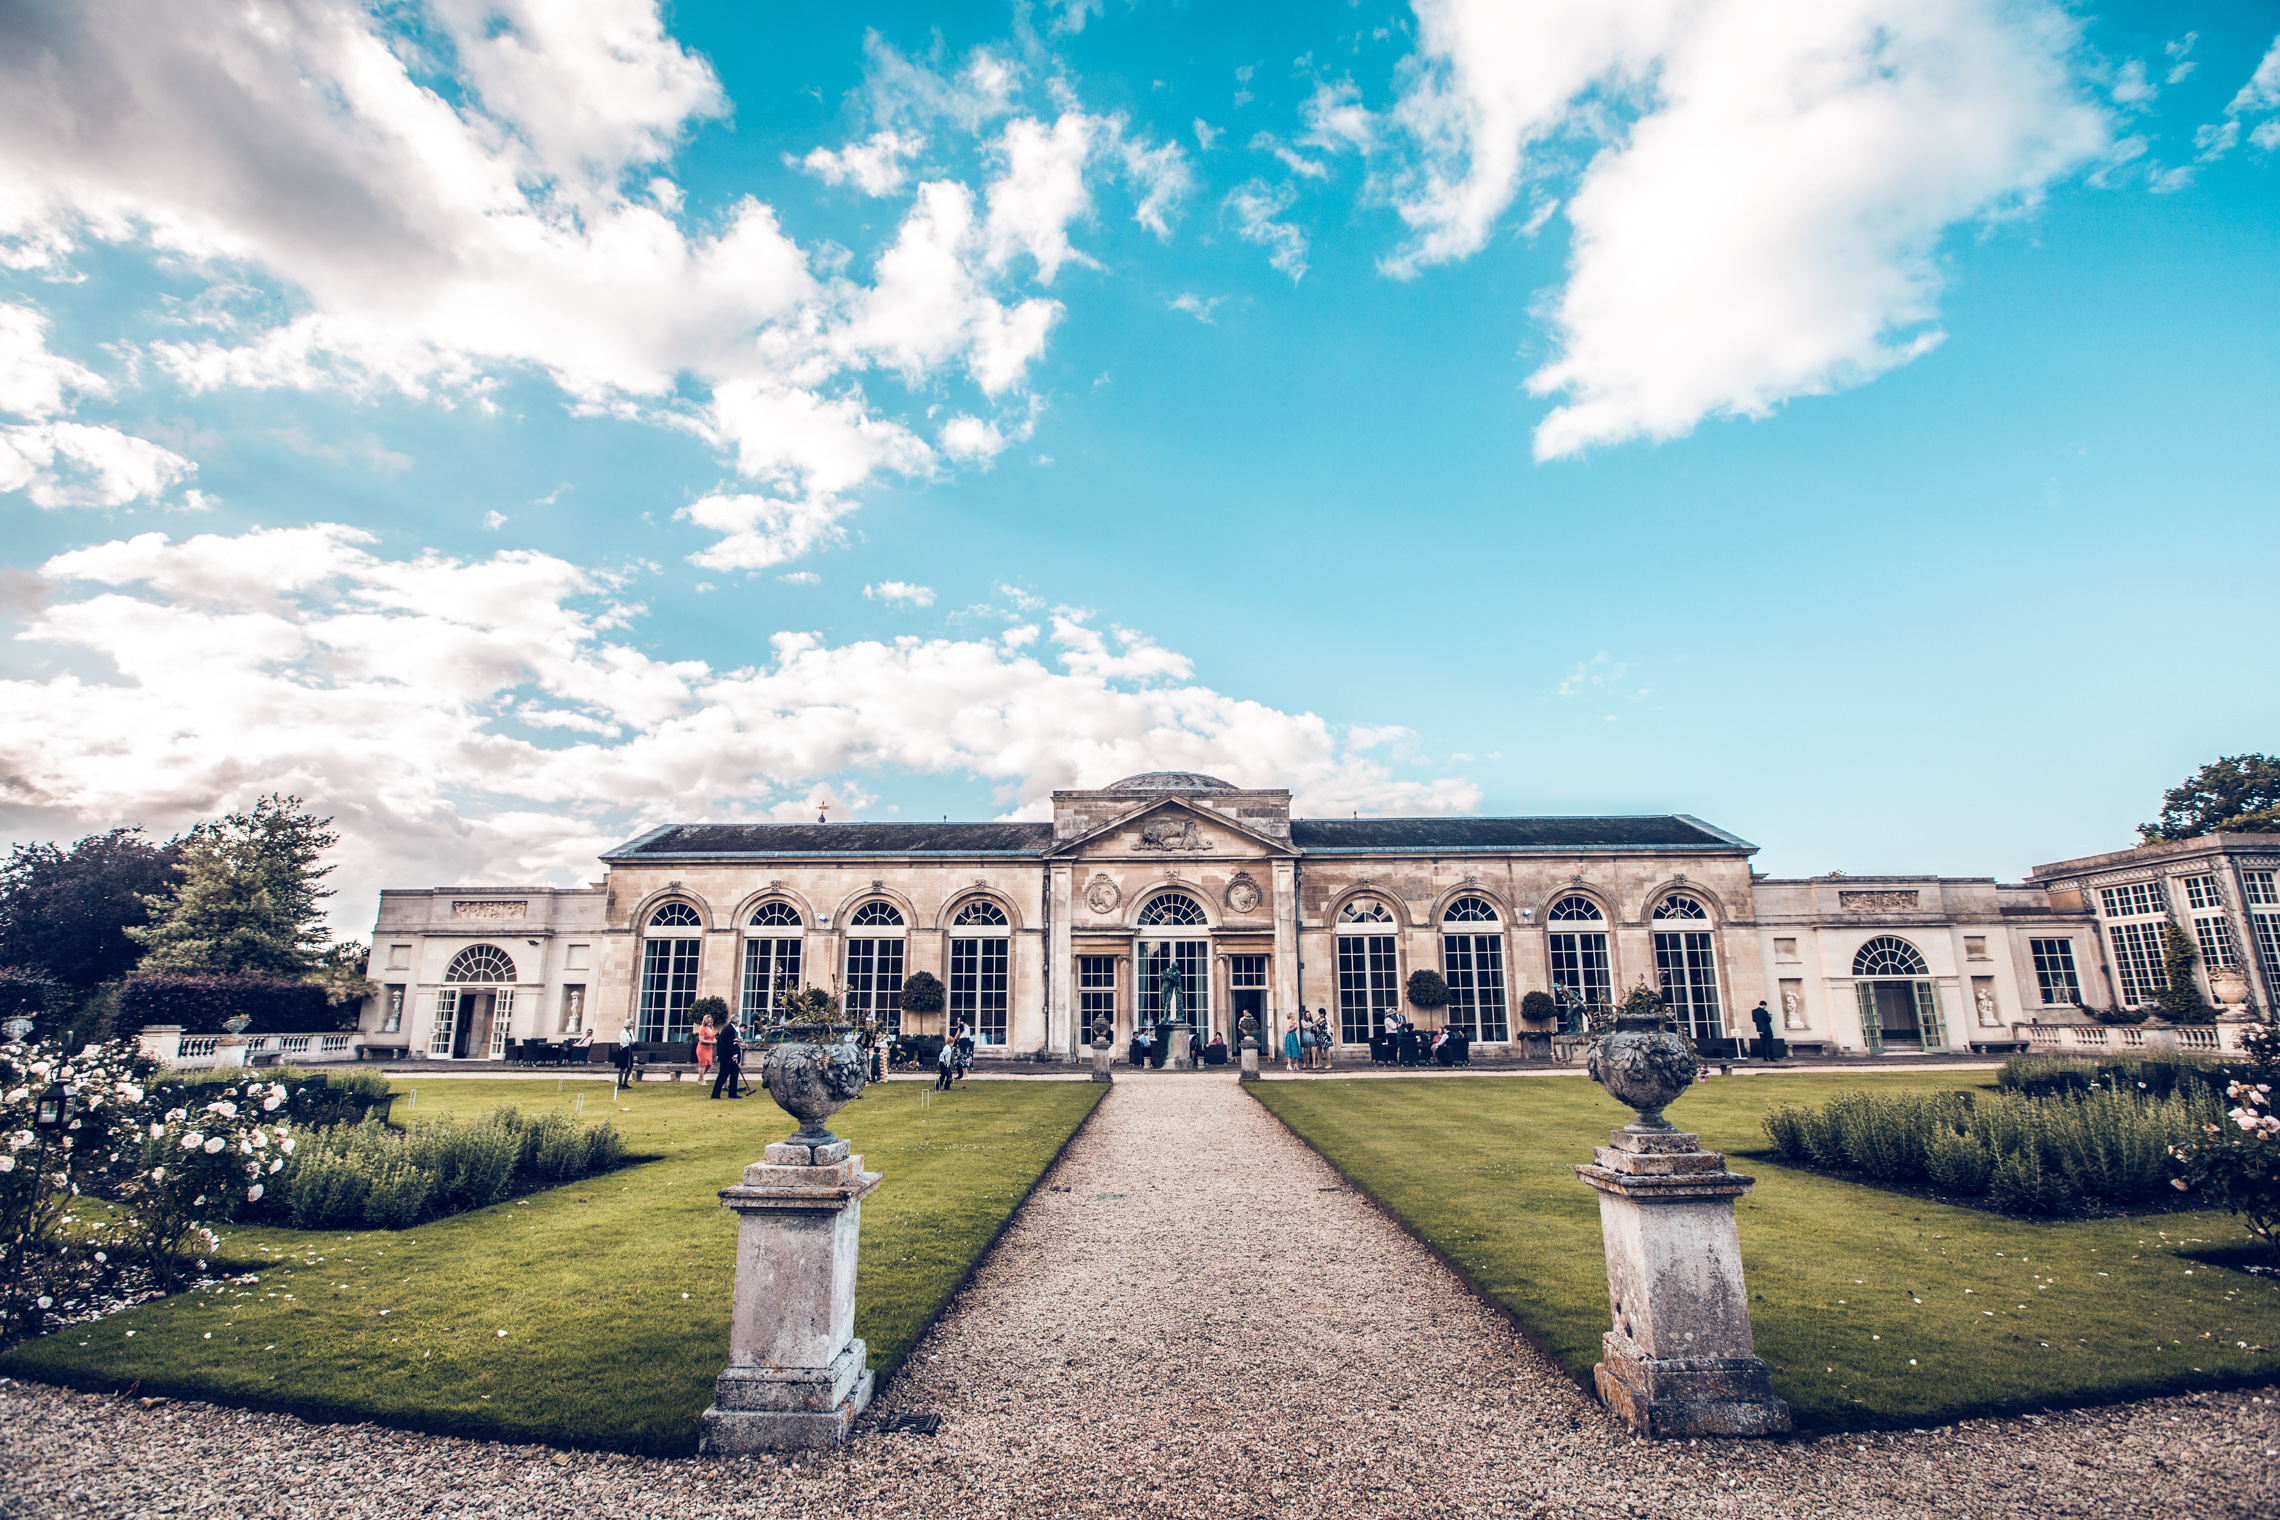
(795, 1374)
(1250, 1061)
(1176, 1055)
(1100, 1054)
(1680, 1360)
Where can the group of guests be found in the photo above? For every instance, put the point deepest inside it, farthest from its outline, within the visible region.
(1307, 1044)
(1402, 1043)
(1150, 1048)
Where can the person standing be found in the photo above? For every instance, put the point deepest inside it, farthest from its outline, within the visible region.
(1322, 1034)
(945, 1065)
(622, 1056)
(1291, 1047)
(1762, 1016)
(728, 1051)
(706, 1036)
(965, 1050)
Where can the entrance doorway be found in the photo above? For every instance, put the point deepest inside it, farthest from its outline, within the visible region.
(1896, 1013)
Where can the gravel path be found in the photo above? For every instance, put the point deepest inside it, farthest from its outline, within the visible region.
(1174, 1328)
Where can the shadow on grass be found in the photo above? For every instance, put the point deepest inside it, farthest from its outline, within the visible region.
(590, 1315)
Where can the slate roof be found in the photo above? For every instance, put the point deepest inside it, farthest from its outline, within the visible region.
(1314, 836)
(839, 839)
(1672, 831)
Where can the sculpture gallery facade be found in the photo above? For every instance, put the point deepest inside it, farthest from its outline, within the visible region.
(1039, 929)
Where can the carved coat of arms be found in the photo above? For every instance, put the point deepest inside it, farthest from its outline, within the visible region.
(1171, 834)
(1102, 896)
(1243, 894)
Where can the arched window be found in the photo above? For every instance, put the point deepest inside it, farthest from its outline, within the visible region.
(670, 952)
(980, 970)
(1888, 955)
(1473, 965)
(875, 965)
(1686, 961)
(480, 963)
(1364, 910)
(771, 960)
(1172, 908)
(1369, 970)
(1577, 946)
(1575, 908)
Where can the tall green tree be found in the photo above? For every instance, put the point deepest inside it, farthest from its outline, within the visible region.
(250, 901)
(2237, 794)
(66, 911)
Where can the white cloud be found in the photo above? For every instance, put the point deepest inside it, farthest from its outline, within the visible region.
(1071, 15)
(874, 166)
(518, 217)
(59, 463)
(2259, 97)
(493, 521)
(1196, 306)
(971, 438)
(1161, 174)
(902, 592)
(485, 719)
(801, 578)
(1766, 182)
(1256, 204)
(1206, 134)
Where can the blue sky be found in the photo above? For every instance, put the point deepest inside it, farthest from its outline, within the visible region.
(511, 426)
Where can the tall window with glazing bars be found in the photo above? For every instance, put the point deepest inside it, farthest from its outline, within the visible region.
(671, 946)
(1472, 963)
(2136, 913)
(979, 978)
(1686, 959)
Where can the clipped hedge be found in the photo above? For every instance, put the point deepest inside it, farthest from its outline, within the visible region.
(202, 1002)
(2156, 1076)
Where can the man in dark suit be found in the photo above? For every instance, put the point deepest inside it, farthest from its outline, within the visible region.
(1763, 1018)
(728, 1052)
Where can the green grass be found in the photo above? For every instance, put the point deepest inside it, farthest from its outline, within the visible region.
(613, 1293)
(1847, 1283)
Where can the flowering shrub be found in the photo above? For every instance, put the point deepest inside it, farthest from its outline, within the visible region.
(203, 1166)
(41, 1175)
(2237, 1163)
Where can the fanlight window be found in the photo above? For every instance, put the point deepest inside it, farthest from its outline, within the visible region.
(480, 963)
(1577, 909)
(775, 915)
(1889, 955)
(1679, 905)
(980, 911)
(676, 915)
(1364, 910)
(877, 915)
(1172, 908)
(1470, 910)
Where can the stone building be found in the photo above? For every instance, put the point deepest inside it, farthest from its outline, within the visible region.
(1037, 929)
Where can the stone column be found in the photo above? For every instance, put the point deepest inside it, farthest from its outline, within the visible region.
(796, 1374)
(1679, 1360)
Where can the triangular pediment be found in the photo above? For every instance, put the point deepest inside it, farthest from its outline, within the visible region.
(1171, 828)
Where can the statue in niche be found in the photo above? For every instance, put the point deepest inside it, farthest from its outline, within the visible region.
(1792, 1016)
(1986, 1000)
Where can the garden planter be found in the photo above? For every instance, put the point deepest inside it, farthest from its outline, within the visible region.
(813, 1071)
(1644, 1065)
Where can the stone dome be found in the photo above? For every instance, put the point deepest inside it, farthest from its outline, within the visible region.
(1171, 781)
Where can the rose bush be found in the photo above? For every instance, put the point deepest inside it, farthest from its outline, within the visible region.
(201, 1166)
(42, 1177)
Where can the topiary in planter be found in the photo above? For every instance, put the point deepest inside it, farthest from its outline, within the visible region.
(1539, 1005)
(922, 993)
(1428, 990)
(717, 1008)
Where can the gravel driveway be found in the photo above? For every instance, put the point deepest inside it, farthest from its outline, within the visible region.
(1171, 1329)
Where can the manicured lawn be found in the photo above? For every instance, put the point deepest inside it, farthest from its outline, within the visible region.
(593, 1315)
(1859, 1297)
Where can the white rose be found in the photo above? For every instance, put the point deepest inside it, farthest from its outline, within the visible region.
(270, 1104)
(158, 1132)
(192, 1140)
(7, 1163)
(275, 1167)
(260, 1141)
(158, 1174)
(215, 1145)
(286, 1145)
(253, 1193)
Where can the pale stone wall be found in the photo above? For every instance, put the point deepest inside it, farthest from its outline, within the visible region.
(553, 935)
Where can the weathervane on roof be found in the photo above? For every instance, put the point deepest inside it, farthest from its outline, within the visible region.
(822, 808)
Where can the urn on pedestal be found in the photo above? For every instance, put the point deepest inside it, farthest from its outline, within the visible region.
(1679, 1359)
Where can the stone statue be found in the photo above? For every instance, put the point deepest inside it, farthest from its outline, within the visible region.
(1789, 1012)
(1171, 993)
(1987, 1007)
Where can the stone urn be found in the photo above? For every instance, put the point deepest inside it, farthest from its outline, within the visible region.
(813, 1071)
(2228, 984)
(1103, 1036)
(1644, 1065)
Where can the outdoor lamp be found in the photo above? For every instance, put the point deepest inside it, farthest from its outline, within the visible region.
(54, 1110)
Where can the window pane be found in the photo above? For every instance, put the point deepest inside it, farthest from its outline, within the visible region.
(2216, 940)
(771, 973)
(1689, 972)
(2137, 960)
(874, 981)
(1194, 959)
(668, 987)
(1579, 963)
(1473, 965)
(1367, 988)
(2054, 970)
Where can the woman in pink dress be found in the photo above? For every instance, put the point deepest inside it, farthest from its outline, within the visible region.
(705, 1044)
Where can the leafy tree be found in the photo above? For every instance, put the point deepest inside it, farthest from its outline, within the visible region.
(67, 912)
(1427, 989)
(922, 992)
(340, 971)
(250, 900)
(2178, 998)
(2235, 793)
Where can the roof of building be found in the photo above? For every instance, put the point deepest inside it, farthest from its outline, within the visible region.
(1171, 781)
(1669, 831)
(713, 839)
(1674, 831)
